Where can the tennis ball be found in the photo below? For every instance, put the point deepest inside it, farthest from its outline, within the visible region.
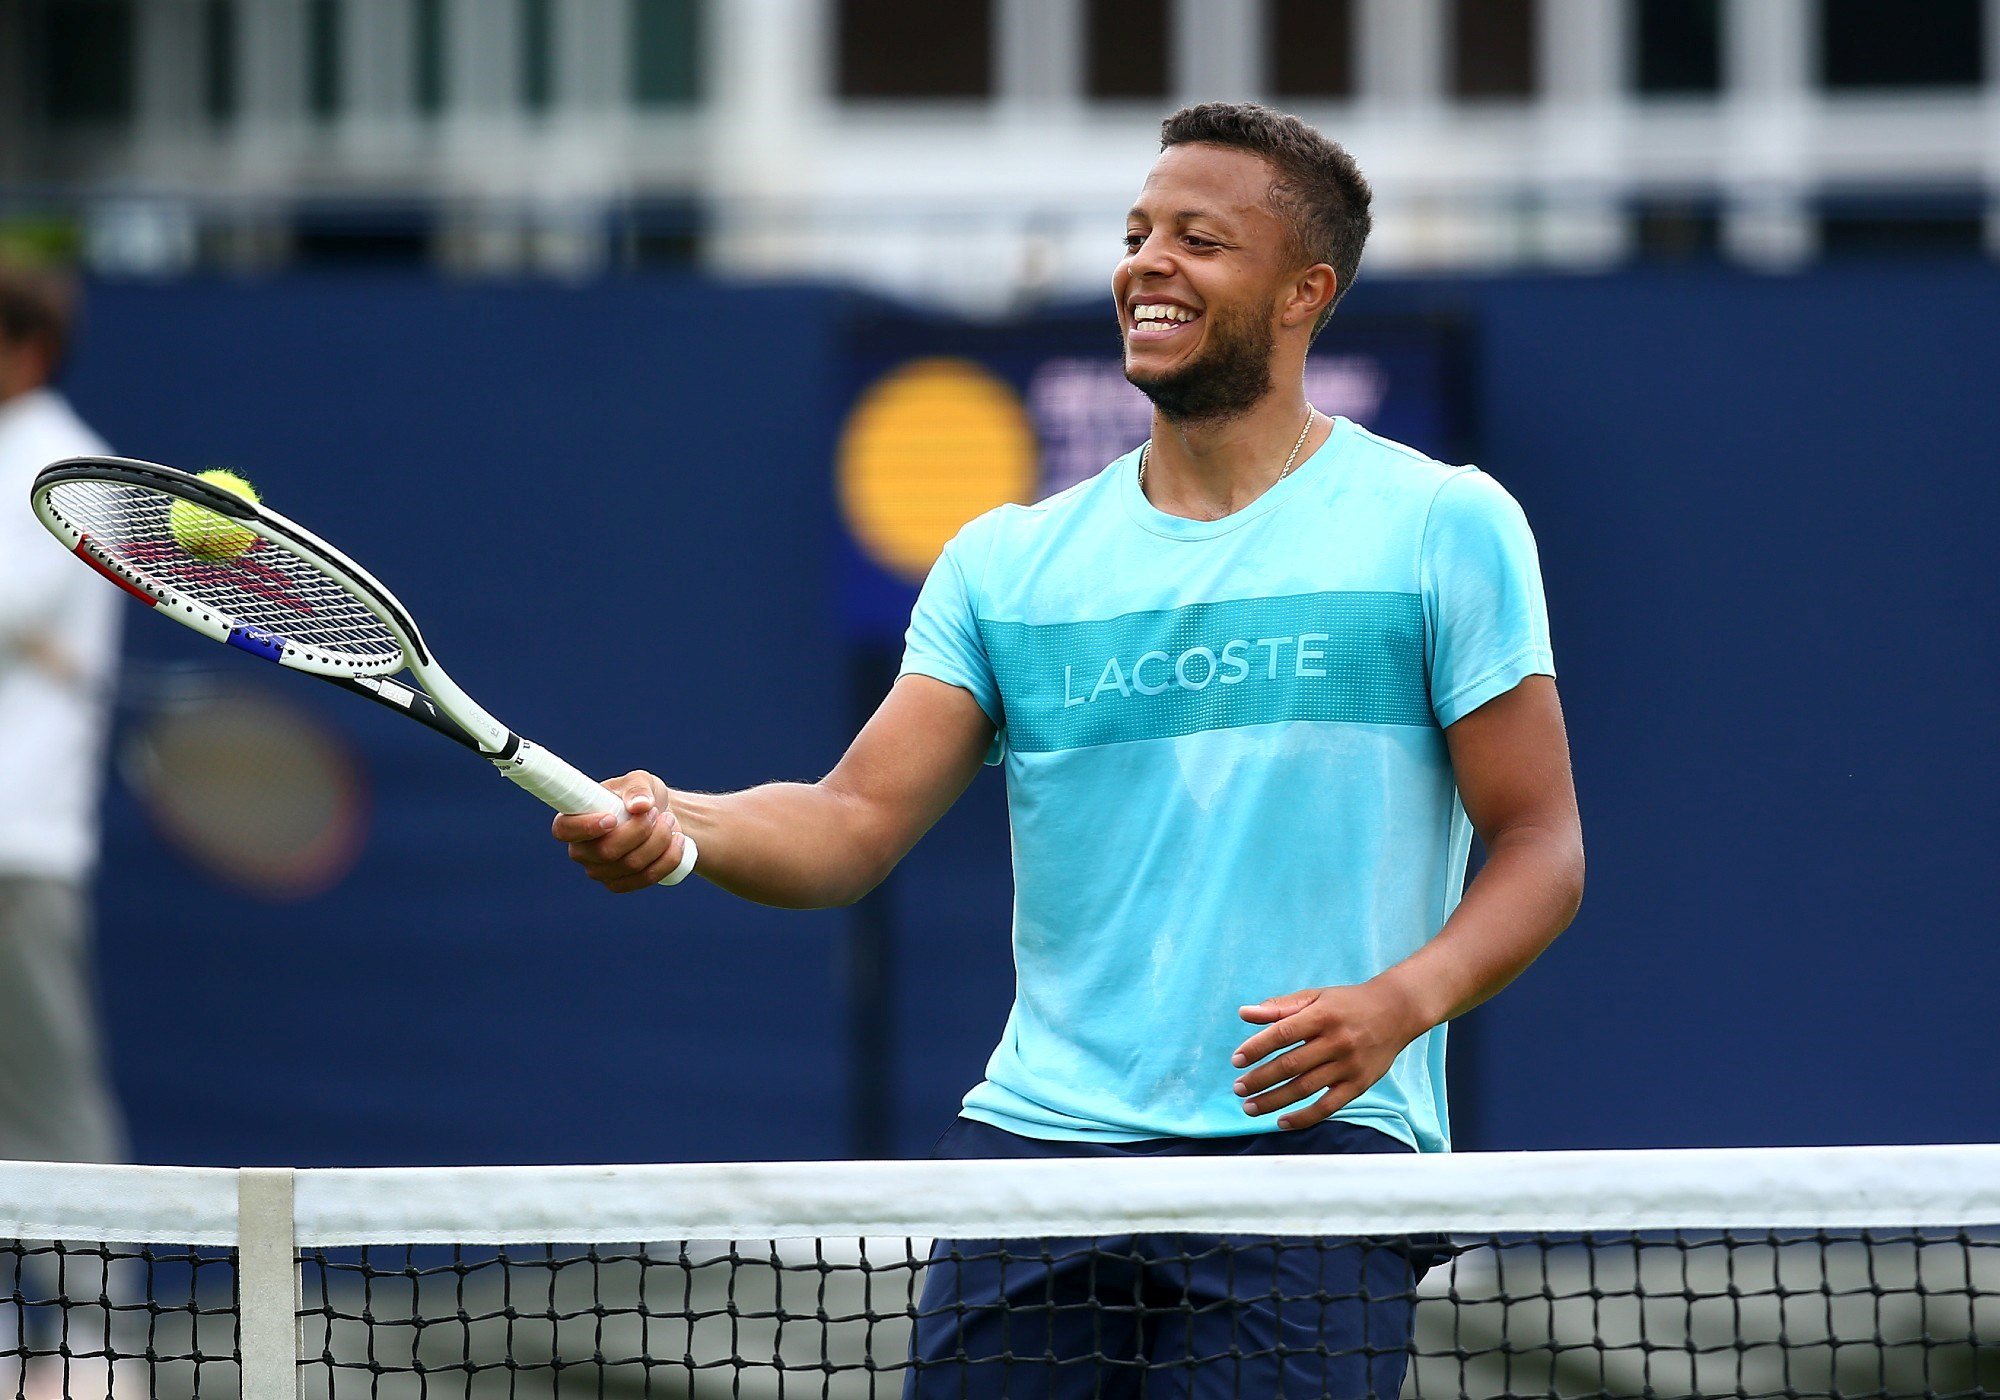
(207, 535)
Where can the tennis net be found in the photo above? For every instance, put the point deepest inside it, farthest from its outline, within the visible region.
(1756, 1272)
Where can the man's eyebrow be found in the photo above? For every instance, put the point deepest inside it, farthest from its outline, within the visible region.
(1182, 215)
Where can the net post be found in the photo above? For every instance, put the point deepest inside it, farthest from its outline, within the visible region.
(267, 1283)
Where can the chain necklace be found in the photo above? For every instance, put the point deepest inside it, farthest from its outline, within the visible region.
(1147, 451)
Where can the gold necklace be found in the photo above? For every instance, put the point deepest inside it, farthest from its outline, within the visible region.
(1147, 451)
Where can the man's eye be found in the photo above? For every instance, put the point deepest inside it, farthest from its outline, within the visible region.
(1194, 242)
(1133, 240)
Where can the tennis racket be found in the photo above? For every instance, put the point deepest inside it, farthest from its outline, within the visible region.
(292, 598)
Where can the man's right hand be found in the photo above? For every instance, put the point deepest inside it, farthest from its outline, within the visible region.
(630, 850)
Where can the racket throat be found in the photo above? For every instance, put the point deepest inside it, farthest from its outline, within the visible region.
(420, 707)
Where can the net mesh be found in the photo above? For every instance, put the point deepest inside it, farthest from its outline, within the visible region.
(1127, 1310)
(130, 528)
(93, 1318)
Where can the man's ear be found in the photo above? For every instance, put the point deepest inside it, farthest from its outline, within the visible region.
(1312, 293)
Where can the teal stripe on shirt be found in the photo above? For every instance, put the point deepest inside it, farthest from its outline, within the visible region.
(1340, 656)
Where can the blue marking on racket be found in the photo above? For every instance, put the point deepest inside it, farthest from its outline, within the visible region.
(257, 641)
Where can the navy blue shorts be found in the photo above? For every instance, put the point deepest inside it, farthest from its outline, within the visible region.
(1198, 1316)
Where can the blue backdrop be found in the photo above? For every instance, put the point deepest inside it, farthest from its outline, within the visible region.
(615, 567)
(1765, 513)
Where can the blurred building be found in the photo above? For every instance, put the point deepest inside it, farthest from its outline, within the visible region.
(981, 151)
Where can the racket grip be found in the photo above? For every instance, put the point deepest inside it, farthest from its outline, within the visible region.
(569, 789)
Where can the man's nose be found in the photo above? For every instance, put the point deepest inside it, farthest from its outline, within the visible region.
(1153, 256)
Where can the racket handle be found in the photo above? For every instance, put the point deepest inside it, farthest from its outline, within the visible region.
(570, 789)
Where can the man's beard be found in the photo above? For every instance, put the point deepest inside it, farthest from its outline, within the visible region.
(1225, 381)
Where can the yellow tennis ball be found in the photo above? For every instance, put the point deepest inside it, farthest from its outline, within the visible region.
(207, 535)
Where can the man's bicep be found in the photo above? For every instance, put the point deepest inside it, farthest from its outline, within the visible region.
(922, 748)
(1510, 758)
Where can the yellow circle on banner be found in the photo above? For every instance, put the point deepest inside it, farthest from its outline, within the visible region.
(930, 445)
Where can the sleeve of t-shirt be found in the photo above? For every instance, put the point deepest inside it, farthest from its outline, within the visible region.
(33, 573)
(944, 641)
(36, 573)
(1482, 584)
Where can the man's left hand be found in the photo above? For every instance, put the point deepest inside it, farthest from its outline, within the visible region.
(1342, 1040)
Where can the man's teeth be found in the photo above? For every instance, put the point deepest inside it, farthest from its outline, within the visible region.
(1161, 312)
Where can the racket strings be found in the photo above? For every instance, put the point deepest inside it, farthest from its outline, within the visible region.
(266, 586)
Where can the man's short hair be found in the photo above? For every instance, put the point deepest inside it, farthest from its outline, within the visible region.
(1316, 187)
(36, 305)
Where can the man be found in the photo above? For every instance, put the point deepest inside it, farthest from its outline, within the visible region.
(1254, 685)
(58, 653)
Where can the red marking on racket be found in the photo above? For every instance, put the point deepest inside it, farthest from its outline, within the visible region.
(174, 564)
(91, 559)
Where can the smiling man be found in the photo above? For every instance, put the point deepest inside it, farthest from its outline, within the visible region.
(1255, 686)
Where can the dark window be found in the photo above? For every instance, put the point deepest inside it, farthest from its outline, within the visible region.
(1312, 48)
(362, 233)
(666, 37)
(219, 50)
(1897, 43)
(429, 19)
(538, 53)
(90, 62)
(1493, 48)
(1670, 230)
(1916, 229)
(658, 234)
(916, 48)
(1680, 46)
(323, 58)
(1127, 42)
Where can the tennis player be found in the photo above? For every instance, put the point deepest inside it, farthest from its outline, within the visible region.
(1255, 686)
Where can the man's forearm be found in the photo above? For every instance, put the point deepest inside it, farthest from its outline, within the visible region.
(800, 845)
(795, 845)
(1524, 895)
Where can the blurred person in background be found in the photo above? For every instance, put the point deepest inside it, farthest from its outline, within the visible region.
(1256, 685)
(58, 660)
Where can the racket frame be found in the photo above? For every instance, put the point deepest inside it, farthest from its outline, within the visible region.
(469, 722)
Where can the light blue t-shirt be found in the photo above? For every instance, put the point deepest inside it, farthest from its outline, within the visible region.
(1226, 767)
